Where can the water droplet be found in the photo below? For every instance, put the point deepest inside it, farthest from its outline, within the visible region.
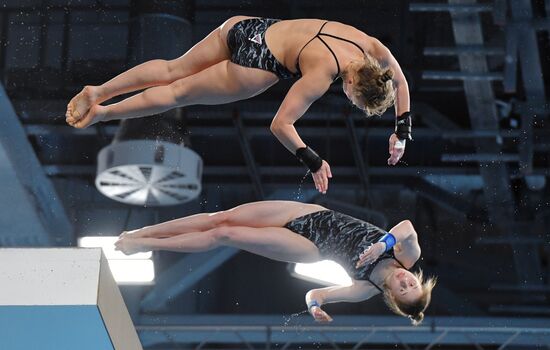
(299, 192)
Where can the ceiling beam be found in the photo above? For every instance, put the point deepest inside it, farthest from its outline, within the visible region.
(32, 212)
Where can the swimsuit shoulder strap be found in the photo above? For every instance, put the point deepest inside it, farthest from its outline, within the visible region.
(343, 39)
(306, 44)
(399, 262)
(318, 35)
(375, 285)
(367, 276)
(310, 40)
(332, 52)
(321, 29)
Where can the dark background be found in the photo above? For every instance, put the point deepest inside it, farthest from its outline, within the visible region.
(473, 182)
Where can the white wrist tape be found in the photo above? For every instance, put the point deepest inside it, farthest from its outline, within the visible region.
(400, 143)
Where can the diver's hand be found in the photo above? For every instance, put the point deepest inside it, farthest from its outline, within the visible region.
(321, 176)
(319, 315)
(397, 149)
(370, 254)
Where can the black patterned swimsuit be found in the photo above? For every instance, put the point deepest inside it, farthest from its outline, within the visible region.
(341, 238)
(246, 42)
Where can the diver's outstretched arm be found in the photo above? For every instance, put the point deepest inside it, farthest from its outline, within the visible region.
(315, 298)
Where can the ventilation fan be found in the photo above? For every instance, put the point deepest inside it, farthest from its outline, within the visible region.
(149, 173)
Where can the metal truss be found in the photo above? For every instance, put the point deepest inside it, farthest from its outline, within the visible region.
(31, 212)
(521, 47)
(351, 332)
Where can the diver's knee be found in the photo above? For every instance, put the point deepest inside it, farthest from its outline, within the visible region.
(180, 90)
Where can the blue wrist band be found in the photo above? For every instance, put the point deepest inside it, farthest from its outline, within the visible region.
(312, 303)
(389, 239)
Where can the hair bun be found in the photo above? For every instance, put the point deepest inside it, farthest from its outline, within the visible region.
(387, 75)
(417, 319)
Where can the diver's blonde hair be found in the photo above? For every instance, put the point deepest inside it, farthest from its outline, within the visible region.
(414, 311)
(373, 85)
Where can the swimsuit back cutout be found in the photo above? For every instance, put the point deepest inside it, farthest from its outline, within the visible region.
(318, 36)
(375, 263)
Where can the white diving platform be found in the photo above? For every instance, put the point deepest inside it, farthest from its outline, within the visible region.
(61, 298)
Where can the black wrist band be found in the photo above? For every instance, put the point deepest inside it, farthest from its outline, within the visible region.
(309, 158)
(403, 126)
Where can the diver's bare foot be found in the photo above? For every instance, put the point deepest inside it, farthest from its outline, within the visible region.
(81, 103)
(94, 115)
(129, 245)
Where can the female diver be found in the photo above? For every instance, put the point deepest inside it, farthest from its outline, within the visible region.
(377, 261)
(247, 55)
